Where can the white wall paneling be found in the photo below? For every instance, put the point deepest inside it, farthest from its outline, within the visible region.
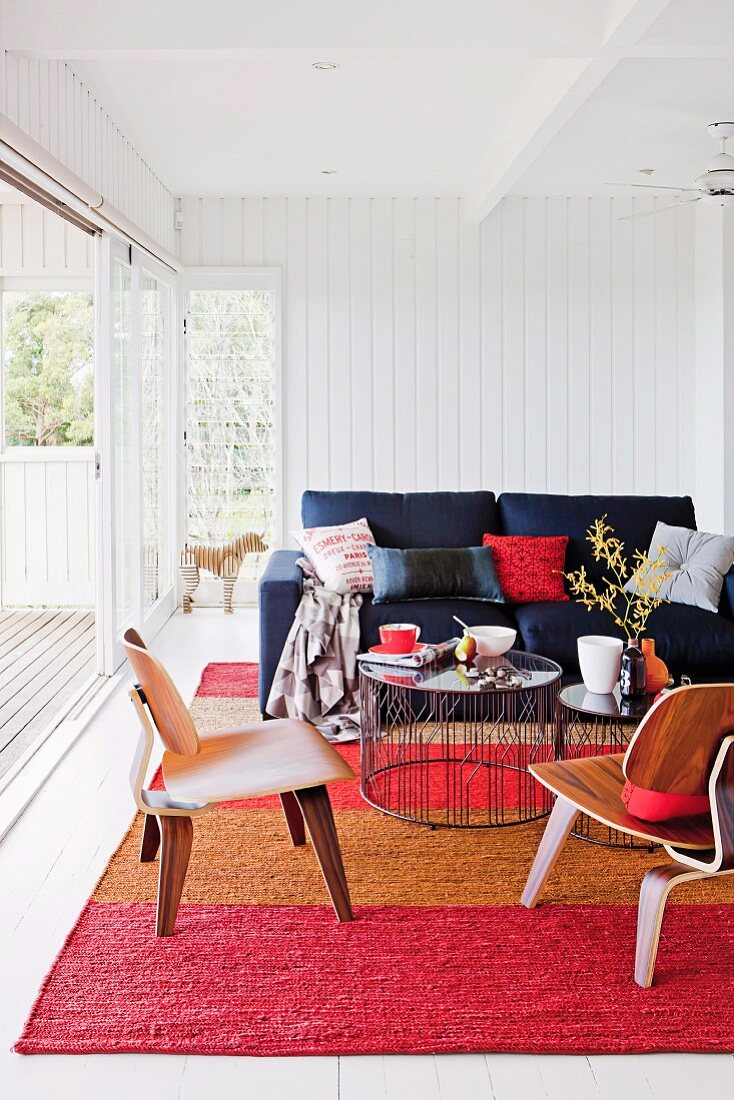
(551, 348)
(587, 332)
(48, 535)
(596, 320)
(49, 102)
(714, 352)
(35, 242)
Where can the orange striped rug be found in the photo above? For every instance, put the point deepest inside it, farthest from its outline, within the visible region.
(440, 958)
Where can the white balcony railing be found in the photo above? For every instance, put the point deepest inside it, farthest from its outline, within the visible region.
(47, 526)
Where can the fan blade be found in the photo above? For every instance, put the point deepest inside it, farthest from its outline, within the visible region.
(653, 186)
(658, 210)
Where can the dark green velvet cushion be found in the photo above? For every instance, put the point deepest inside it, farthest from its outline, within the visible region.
(466, 574)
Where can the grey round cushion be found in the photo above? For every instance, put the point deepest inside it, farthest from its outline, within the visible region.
(697, 561)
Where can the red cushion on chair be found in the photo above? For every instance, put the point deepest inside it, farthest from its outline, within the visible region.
(661, 806)
(529, 568)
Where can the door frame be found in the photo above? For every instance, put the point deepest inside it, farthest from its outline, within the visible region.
(234, 278)
(157, 615)
(110, 247)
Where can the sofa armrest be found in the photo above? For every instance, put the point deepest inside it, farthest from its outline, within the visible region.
(279, 595)
(726, 603)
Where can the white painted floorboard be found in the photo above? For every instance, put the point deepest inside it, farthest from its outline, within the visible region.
(49, 864)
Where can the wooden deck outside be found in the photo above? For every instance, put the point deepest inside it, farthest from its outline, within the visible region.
(46, 657)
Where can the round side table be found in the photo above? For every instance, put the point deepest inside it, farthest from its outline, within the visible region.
(591, 725)
(439, 750)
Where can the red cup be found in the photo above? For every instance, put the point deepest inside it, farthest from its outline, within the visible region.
(399, 637)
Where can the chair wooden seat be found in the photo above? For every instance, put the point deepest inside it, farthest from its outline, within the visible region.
(594, 785)
(684, 745)
(252, 761)
(287, 758)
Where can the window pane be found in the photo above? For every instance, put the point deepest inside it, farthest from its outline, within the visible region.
(122, 402)
(230, 419)
(155, 335)
(48, 353)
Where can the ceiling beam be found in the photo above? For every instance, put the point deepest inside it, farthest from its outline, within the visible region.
(561, 88)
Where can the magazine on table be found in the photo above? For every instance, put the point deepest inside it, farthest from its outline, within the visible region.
(426, 656)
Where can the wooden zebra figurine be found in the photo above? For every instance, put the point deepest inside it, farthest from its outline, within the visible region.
(222, 561)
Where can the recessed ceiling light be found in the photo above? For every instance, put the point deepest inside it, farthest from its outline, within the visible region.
(328, 171)
(324, 66)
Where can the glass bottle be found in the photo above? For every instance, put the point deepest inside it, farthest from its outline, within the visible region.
(632, 679)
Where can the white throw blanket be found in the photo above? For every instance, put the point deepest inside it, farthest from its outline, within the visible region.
(317, 678)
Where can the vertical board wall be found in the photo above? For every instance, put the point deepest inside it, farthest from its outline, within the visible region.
(549, 349)
(49, 102)
(35, 242)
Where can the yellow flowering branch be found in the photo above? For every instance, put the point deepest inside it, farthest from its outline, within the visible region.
(630, 610)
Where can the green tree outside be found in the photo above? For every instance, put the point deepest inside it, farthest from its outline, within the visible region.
(48, 343)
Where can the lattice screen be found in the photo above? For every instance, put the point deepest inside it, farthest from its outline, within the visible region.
(230, 418)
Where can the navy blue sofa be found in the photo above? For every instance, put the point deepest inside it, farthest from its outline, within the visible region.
(690, 640)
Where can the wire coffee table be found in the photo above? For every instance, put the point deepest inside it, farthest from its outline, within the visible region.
(591, 725)
(439, 750)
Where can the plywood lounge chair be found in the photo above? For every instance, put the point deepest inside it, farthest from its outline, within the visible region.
(683, 746)
(284, 757)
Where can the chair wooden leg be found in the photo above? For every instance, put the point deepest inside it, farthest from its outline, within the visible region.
(316, 809)
(176, 836)
(151, 841)
(559, 825)
(293, 818)
(656, 885)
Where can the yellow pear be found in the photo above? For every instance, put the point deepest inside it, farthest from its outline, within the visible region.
(466, 650)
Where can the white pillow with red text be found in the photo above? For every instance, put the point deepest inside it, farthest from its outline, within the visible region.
(339, 555)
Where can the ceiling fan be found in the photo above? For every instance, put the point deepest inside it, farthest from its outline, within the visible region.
(716, 185)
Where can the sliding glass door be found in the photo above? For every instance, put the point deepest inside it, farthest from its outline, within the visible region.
(135, 433)
(123, 398)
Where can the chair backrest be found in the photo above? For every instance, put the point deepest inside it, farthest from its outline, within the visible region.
(172, 719)
(675, 745)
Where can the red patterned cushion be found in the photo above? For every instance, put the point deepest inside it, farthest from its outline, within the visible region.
(529, 568)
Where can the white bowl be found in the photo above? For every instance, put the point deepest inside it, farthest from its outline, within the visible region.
(493, 641)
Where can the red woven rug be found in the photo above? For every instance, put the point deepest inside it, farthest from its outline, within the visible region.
(441, 957)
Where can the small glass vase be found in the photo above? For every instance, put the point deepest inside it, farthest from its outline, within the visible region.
(632, 677)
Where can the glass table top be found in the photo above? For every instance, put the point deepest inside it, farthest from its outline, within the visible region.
(533, 670)
(578, 697)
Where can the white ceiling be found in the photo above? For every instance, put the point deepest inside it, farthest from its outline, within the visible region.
(509, 26)
(271, 125)
(477, 98)
(648, 113)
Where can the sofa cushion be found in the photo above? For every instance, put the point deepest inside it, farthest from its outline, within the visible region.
(419, 573)
(408, 519)
(689, 640)
(633, 519)
(529, 567)
(697, 562)
(339, 555)
(434, 617)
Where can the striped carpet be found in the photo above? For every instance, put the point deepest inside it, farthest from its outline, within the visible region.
(441, 957)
